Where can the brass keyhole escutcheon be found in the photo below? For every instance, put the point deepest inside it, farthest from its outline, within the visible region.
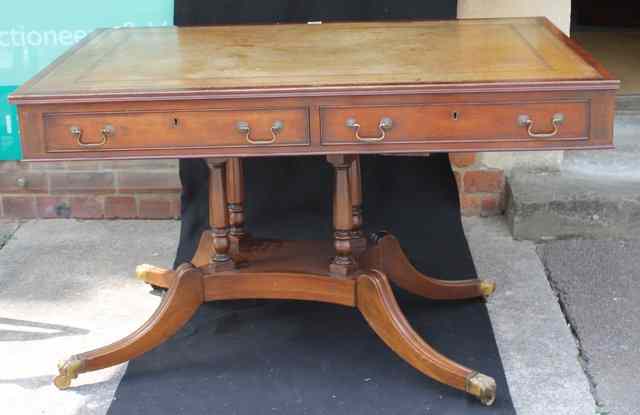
(455, 115)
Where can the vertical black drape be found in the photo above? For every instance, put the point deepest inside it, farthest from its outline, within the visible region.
(207, 12)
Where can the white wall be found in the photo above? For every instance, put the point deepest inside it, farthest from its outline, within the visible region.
(558, 11)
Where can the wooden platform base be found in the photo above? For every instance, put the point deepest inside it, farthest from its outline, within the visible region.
(298, 270)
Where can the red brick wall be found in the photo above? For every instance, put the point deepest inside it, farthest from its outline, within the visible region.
(150, 189)
(90, 190)
(481, 189)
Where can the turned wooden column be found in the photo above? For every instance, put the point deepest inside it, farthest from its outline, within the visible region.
(219, 215)
(235, 197)
(358, 241)
(343, 263)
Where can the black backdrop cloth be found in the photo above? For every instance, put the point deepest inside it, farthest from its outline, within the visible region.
(207, 12)
(293, 357)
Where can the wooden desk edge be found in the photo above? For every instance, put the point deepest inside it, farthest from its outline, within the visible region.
(297, 92)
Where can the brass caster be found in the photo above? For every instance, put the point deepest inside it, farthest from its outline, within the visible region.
(487, 287)
(158, 278)
(67, 371)
(481, 386)
(146, 272)
(62, 382)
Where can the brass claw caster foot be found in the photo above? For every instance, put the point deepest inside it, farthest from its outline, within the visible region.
(160, 278)
(67, 371)
(487, 287)
(483, 387)
(145, 271)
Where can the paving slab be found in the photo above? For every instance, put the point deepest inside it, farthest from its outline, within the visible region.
(7, 229)
(537, 349)
(68, 286)
(598, 282)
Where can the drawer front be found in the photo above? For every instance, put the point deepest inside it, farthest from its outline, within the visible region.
(395, 124)
(66, 132)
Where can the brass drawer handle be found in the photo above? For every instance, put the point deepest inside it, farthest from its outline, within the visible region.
(245, 129)
(106, 132)
(525, 121)
(384, 125)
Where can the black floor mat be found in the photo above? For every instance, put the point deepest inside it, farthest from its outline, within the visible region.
(266, 357)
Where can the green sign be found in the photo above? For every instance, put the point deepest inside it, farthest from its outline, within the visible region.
(34, 32)
(9, 140)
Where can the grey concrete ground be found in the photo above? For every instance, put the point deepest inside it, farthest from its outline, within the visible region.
(620, 163)
(7, 229)
(598, 282)
(67, 286)
(537, 348)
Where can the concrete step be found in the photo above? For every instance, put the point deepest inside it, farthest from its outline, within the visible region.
(595, 195)
(628, 103)
(623, 163)
(544, 206)
(627, 134)
(615, 164)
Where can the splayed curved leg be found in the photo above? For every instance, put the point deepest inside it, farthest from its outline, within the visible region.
(387, 255)
(378, 305)
(178, 305)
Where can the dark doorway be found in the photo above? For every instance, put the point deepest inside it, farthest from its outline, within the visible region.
(605, 13)
(610, 30)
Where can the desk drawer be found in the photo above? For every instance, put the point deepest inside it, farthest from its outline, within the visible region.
(396, 124)
(65, 132)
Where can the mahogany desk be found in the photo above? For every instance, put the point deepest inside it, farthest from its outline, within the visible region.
(340, 90)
